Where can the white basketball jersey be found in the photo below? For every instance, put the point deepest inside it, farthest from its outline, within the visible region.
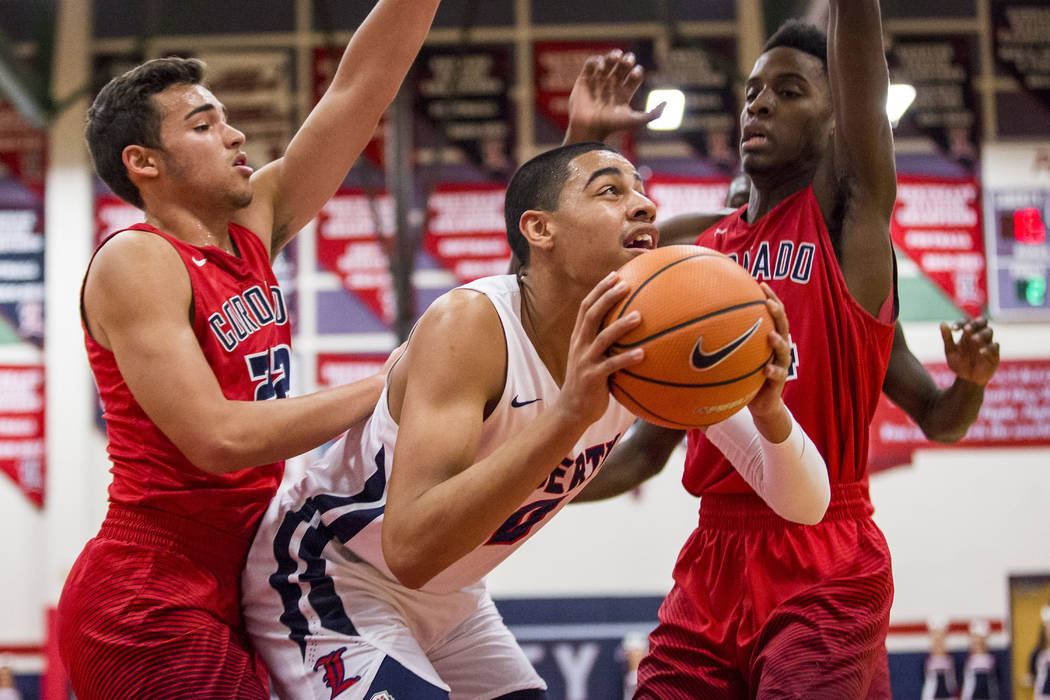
(346, 487)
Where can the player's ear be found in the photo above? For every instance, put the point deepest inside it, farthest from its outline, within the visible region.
(535, 227)
(140, 161)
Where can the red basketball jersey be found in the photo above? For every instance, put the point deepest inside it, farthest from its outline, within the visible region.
(241, 323)
(839, 350)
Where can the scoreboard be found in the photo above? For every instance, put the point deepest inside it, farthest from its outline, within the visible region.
(1017, 213)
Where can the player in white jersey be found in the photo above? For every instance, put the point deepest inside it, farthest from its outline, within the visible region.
(365, 580)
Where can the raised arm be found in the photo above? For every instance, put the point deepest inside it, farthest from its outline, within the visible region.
(944, 415)
(857, 187)
(291, 190)
(442, 502)
(136, 296)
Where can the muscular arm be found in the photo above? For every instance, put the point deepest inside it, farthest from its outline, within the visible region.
(291, 190)
(944, 415)
(136, 299)
(442, 502)
(857, 187)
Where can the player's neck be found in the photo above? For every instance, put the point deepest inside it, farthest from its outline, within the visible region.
(548, 314)
(768, 192)
(191, 226)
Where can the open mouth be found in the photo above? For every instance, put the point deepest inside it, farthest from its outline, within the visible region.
(644, 239)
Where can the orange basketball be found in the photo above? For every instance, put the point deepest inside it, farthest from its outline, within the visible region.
(705, 329)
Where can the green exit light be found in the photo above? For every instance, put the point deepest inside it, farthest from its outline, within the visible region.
(1032, 290)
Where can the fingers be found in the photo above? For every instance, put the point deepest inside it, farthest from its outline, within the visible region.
(949, 341)
(776, 310)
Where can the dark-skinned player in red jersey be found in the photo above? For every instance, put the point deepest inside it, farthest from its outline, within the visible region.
(187, 335)
(760, 607)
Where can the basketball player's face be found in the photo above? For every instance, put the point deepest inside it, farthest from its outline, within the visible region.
(786, 121)
(604, 218)
(201, 157)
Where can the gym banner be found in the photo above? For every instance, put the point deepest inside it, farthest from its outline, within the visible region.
(466, 230)
(942, 69)
(464, 93)
(1021, 44)
(336, 369)
(677, 194)
(113, 214)
(22, 453)
(23, 149)
(351, 229)
(937, 223)
(325, 62)
(1015, 413)
(704, 72)
(22, 271)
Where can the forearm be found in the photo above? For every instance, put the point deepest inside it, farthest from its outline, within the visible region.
(236, 435)
(427, 529)
(953, 411)
(790, 476)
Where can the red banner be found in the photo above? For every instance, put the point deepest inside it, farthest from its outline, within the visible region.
(22, 453)
(113, 214)
(676, 194)
(466, 230)
(336, 369)
(23, 149)
(556, 65)
(1015, 413)
(349, 244)
(937, 222)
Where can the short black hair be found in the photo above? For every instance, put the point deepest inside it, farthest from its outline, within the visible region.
(124, 113)
(805, 37)
(537, 185)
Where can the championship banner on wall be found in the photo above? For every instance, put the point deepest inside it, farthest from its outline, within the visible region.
(325, 62)
(351, 229)
(942, 70)
(113, 214)
(23, 149)
(1021, 43)
(937, 222)
(704, 73)
(22, 271)
(466, 231)
(1015, 413)
(675, 195)
(22, 454)
(336, 369)
(463, 92)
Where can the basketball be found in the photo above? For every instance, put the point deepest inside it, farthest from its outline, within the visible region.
(705, 330)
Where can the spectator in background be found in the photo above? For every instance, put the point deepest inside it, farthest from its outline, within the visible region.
(1039, 661)
(939, 681)
(980, 677)
(8, 690)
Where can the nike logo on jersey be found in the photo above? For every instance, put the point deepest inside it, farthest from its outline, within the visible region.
(199, 262)
(707, 360)
(518, 404)
(720, 230)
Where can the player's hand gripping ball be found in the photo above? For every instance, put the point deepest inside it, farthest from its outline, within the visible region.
(705, 330)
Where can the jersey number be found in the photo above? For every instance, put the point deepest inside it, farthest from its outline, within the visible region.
(270, 370)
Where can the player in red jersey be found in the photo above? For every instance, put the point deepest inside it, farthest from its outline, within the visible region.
(187, 334)
(761, 607)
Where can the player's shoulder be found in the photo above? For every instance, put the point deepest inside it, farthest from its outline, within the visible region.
(462, 313)
(135, 252)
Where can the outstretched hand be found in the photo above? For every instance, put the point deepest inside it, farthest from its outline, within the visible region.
(600, 102)
(974, 357)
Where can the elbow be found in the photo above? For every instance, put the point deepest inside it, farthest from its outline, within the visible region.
(215, 454)
(405, 563)
(809, 510)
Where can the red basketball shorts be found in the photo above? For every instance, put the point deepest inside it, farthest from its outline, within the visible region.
(150, 614)
(763, 608)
